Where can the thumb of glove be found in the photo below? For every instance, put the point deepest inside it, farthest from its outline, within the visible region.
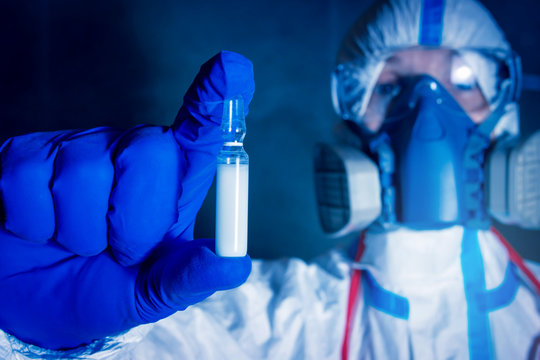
(224, 76)
(197, 127)
(182, 273)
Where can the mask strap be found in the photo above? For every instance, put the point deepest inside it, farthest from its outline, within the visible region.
(474, 158)
(380, 145)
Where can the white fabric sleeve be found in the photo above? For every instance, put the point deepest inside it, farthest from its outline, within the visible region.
(109, 348)
(287, 309)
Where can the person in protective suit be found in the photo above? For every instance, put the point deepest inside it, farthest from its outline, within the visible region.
(427, 91)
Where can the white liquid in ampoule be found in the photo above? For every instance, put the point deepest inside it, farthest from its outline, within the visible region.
(232, 209)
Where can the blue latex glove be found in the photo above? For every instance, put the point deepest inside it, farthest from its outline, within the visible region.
(97, 223)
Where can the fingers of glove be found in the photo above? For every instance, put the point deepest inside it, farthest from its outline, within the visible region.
(143, 204)
(82, 185)
(197, 126)
(27, 171)
(184, 273)
(18, 255)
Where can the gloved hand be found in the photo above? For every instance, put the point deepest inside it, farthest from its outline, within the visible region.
(97, 224)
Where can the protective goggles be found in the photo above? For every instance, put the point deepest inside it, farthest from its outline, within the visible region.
(476, 78)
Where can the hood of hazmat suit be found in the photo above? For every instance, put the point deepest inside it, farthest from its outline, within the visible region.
(389, 26)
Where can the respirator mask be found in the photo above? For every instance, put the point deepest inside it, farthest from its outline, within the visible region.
(429, 165)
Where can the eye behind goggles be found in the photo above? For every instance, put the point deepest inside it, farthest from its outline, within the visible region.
(496, 73)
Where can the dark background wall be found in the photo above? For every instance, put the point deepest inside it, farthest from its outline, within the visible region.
(79, 64)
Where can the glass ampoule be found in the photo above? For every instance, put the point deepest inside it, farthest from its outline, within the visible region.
(232, 182)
